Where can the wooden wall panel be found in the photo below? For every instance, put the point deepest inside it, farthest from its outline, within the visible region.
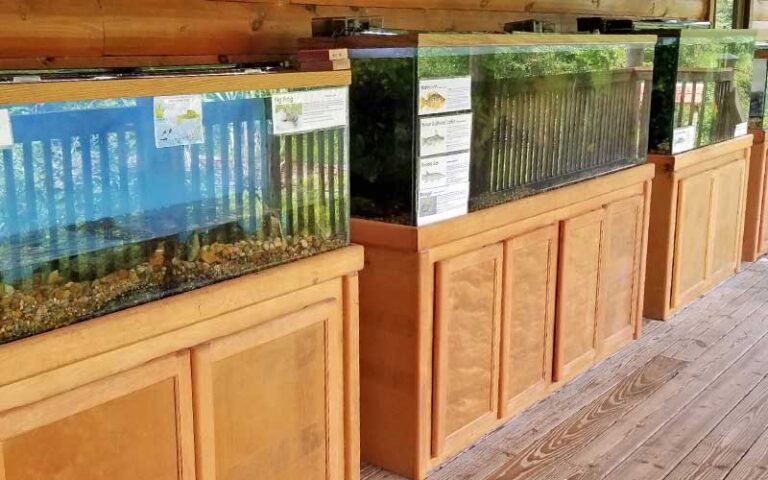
(91, 29)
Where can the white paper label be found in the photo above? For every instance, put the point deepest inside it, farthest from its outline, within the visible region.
(683, 138)
(178, 120)
(445, 134)
(443, 187)
(740, 129)
(441, 95)
(298, 112)
(6, 134)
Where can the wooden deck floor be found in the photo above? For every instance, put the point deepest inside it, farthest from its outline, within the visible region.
(688, 400)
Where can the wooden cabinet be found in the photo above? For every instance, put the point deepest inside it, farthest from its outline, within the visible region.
(577, 298)
(727, 219)
(269, 400)
(137, 424)
(621, 265)
(253, 378)
(708, 240)
(530, 277)
(755, 242)
(466, 362)
(697, 227)
(466, 322)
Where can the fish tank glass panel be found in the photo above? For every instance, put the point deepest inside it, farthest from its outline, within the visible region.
(111, 202)
(443, 127)
(759, 91)
(701, 86)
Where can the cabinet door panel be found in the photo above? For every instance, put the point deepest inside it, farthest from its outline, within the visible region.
(692, 237)
(619, 283)
(268, 401)
(136, 424)
(467, 324)
(727, 219)
(530, 276)
(577, 299)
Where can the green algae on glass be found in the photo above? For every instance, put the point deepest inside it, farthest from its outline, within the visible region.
(94, 218)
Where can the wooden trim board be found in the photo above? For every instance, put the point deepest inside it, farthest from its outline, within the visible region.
(60, 91)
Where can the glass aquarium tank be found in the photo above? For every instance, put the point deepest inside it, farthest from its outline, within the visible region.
(443, 124)
(119, 191)
(757, 97)
(701, 85)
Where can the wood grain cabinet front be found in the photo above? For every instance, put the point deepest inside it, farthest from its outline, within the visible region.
(620, 274)
(134, 425)
(578, 292)
(269, 400)
(466, 363)
(527, 340)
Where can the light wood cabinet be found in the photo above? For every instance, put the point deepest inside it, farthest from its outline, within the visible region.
(137, 424)
(467, 329)
(268, 401)
(251, 378)
(621, 265)
(755, 242)
(465, 322)
(530, 278)
(697, 227)
(578, 289)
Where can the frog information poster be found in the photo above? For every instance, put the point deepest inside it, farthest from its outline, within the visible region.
(443, 95)
(443, 187)
(178, 120)
(298, 112)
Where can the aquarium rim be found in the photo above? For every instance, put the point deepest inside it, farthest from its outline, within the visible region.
(92, 89)
(474, 39)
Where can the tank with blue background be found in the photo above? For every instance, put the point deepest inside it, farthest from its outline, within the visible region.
(99, 211)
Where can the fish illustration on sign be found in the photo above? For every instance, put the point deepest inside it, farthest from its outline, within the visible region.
(435, 139)
(433, 101)
(432, 176)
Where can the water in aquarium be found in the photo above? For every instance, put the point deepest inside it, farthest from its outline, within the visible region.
(438, 131)
(105, 204)
(759, 91)
(701, 85)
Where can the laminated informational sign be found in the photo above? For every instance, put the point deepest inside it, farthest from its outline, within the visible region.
(445, 134)
(740, 129)
(443, 95)
(683, 139)
(178, 120)
(6, 134)
(443, 187)
(297, 112)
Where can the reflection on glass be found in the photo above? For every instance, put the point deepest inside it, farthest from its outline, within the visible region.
(98, 214)
(701, 84)
(543, 116)
(757, 96)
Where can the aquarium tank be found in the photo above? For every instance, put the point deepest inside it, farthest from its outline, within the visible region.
(444, 124)
(113, 195)
(757, 96)
(701, 85)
